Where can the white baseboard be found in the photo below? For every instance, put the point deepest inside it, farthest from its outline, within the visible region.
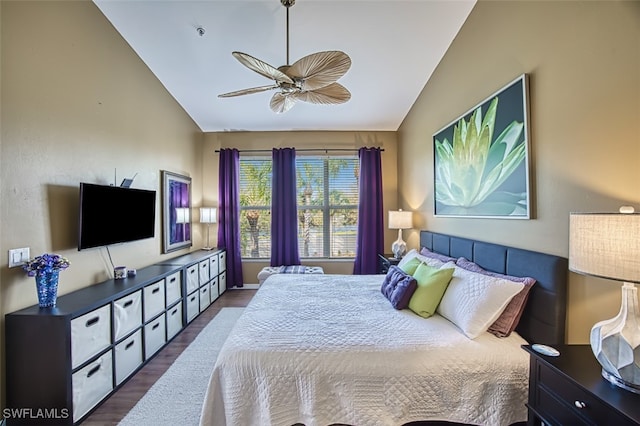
(246, 287)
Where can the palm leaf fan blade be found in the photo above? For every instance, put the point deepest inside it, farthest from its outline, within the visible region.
(248, 91)
(320, 69)
(262, 67)
(335, 93)
(281, 103)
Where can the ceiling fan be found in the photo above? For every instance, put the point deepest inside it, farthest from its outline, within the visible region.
(309, 79)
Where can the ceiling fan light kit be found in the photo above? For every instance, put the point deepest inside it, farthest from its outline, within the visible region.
(312, 78)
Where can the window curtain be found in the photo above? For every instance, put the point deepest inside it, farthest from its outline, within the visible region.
(229, 214)
(370, 239)
(284, 210)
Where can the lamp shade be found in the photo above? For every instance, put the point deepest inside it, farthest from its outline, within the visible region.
(208, 215)
(182, 214)
(400, 219)
(605, 245)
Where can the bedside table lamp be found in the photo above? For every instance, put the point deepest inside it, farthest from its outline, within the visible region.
(208, 215)
(607, 245)
(400, 220)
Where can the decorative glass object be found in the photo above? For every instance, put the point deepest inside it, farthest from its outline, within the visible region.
(46, 268)
(615, 342)
(47, 287)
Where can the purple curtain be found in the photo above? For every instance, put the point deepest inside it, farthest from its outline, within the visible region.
(284, 210)
(370, 240)
(229, 214)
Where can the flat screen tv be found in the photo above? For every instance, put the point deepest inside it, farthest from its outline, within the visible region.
(113, 214)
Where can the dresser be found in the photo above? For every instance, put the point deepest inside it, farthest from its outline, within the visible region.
(205, 280)
(570, 390)
(61, 362)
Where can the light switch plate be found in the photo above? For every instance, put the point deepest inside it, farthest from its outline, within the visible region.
(18, 257)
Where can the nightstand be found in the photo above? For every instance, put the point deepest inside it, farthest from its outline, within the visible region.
(386, 260)
(570, 390)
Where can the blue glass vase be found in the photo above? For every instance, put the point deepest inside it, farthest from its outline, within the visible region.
(47, 287)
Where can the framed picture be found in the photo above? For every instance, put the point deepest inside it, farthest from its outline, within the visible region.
(481, 160)
(176, 211)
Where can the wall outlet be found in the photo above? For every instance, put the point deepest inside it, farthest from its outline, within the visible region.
(18, 257)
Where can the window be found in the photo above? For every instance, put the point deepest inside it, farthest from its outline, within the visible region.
(255, 207)
(327, 193)
(327, 206)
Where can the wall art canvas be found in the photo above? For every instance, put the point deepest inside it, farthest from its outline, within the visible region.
(481, 160)
(176, 211)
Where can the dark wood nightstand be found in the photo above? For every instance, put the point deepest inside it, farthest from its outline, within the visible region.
(386, 260)
(570, 390)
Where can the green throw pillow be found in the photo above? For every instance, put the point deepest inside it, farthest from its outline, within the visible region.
(411, 266)
(432, 283)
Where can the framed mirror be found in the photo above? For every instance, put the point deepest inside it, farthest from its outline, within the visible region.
(176, 211)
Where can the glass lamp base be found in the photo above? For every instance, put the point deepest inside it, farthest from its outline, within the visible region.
(399, 247)
(615, 343)
(632, 387)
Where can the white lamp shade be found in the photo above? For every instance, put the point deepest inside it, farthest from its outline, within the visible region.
(182, 214)
(400, 219)
(208, 215)
(605, 245)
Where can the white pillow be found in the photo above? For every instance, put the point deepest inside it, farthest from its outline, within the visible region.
(474, 301)
(413, 253)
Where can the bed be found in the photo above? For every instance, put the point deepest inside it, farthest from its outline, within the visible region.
(331, 349)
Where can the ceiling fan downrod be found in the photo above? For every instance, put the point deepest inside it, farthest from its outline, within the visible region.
(288, 4)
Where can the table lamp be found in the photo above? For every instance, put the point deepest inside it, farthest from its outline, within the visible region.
(607, 245)
(400, 220)
(208, 215)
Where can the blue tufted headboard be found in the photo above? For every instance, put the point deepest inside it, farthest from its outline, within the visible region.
(544, 317)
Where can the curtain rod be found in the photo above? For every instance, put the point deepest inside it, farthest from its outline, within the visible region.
(325, 150)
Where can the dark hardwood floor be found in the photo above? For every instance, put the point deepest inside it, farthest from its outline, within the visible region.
(118, 405)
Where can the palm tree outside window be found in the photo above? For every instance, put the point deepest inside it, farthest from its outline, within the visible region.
(327, 194)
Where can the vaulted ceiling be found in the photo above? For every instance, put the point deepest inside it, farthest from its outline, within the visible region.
(394, 46)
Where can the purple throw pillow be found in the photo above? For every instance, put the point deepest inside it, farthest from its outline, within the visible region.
(508, 320)
(398, 287)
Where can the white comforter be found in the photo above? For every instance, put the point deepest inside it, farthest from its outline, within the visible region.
(322, 349)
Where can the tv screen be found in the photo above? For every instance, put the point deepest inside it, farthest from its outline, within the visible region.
(112, 214)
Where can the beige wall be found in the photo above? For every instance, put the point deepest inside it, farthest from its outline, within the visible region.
(78, 103)
(303, 140)
(583, 59)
